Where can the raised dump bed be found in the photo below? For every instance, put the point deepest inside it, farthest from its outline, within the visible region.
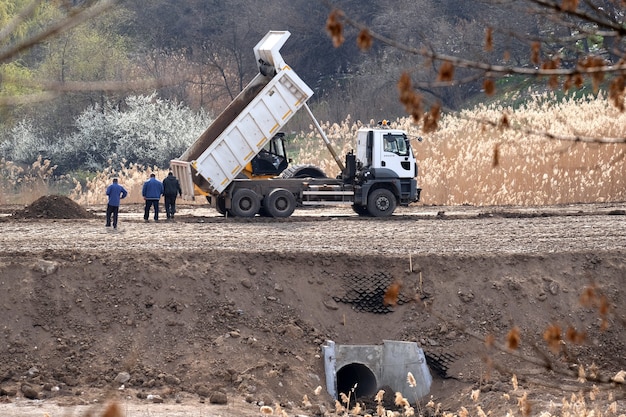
(238, 134)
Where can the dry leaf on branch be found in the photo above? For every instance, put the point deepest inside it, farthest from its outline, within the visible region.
(513, 338)
(552, 336)
(489, 40)
(569, 5)
(431, 119)
(446, 71)
(574, 336)
(535, 53)
(616, 92)
(409, 98)
(364, 40)
(334, 27)
(392, 293)
(489, 86)
(112, 410)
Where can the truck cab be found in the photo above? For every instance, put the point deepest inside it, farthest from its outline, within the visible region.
(385, 167)
(386, 150)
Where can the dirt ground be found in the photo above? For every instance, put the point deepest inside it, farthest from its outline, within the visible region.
(220, 316)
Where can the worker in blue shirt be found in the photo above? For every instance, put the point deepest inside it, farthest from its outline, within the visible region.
(115, 192)
(152, 191)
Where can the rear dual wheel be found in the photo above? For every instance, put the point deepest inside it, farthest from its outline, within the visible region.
(279, 203)
(245, 203)
(220, 205)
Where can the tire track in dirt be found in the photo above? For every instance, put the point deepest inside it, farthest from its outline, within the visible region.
(343, 235)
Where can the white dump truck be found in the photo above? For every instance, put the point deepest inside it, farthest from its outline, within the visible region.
(240, 165)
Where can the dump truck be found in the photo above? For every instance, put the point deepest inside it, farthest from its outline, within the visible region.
(241, 166)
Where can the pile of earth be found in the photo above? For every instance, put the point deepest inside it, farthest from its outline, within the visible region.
(53, 207)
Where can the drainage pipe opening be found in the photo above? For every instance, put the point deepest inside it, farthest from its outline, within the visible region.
(359, 375)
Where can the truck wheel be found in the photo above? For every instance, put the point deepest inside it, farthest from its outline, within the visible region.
(381, 203)
(360, 210)
(280, 203)
(220, 205)
(245, 203)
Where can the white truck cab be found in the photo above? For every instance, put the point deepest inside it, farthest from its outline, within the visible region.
(388, 149)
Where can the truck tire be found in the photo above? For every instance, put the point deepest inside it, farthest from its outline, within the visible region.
(303, 171)
(220, 205)
(381, 203)
(360, 210)
(245, 203)
(280, 203)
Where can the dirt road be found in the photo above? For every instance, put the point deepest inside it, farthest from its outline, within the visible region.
(442, 230)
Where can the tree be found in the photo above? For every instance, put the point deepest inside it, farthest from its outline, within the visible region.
(32, 24)
(37, 60)
(144, 130)
(565, 45)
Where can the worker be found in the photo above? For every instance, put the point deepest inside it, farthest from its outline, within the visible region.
(151, 192)
(171, 189)
(116, 192)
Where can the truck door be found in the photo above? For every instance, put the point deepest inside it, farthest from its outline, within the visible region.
(396, 155)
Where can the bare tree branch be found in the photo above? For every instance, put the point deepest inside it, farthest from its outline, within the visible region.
(71, 20)
(22, 16)
(486, 67)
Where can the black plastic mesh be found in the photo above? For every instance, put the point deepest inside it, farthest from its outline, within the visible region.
(440, 362)
(367, 293)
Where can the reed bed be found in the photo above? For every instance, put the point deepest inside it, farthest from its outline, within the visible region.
(131, 177)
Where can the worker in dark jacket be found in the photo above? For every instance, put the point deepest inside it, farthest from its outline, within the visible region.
(171, 189)
(115, 192)
(152, 191)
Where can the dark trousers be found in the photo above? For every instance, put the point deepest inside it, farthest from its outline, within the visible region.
(170, 205)
(112, 210)
(146, 212)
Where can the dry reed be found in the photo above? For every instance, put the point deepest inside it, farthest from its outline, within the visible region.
(131, 177)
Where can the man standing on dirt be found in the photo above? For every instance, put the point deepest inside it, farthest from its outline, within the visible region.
(115, 192)
(152, 191)
(171, 188)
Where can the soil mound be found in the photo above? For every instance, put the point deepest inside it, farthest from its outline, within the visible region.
(53, 207)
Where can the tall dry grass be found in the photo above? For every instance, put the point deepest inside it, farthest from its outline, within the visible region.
(22, 184)
(465, 162)
(513, 403)
(130, 176)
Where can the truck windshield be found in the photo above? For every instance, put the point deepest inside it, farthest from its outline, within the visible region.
(395, 144)
(276, 146)
(271, 159)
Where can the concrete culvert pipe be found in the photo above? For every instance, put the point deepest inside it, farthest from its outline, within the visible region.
(359, 374)
(374, 366)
